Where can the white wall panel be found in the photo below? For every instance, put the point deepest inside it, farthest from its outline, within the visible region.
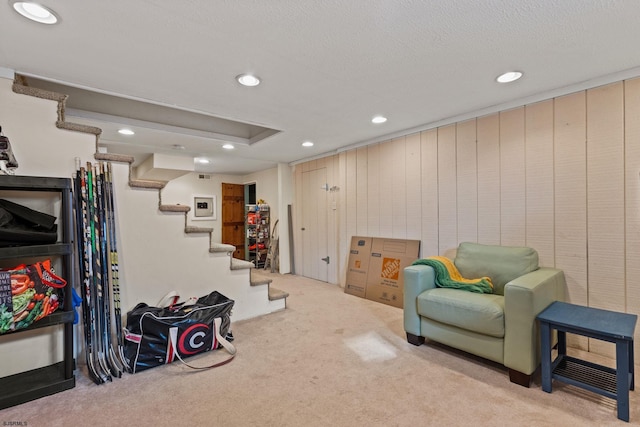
(605, 196)
(386, 190)
(605, 201)
(447, 197)
(351, 194)
(297, 219)
(512, 178)
(373, 190)
(412, 186)
(399, 191)
(571, 193)
(539, 180)
(488, 149)
(429, 191)
(361, 192)
(632, 196)
(344, 241)
(467, 181)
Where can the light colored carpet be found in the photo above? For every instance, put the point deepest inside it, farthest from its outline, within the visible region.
(329, 359)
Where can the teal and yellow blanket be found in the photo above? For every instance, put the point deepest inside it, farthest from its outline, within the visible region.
(448, 276)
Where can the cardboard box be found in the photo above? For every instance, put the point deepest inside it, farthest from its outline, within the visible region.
(385, 279)
(358, 267)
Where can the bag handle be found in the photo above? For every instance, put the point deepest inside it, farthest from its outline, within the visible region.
(171, 299)
(173, 332)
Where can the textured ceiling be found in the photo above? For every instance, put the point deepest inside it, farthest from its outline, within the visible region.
(327, 66)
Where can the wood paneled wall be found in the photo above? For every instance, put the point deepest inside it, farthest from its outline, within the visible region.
(561, 176)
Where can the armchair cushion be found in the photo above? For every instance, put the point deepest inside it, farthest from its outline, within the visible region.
(481, 313)
(501, 263)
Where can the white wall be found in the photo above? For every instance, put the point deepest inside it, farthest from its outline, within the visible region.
(266, 189)
(285, 190)
(182, 190)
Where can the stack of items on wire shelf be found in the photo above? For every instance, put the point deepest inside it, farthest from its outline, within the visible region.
(257, 232)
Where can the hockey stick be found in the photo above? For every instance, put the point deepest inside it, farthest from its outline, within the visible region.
(103, 274)
(96, 284)
(113, 250)
(91, 292)
(79, 205)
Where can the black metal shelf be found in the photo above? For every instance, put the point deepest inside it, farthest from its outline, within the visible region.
(36, 251)
(36, 383)
(40, 382)
(33, 183)
(60, 317)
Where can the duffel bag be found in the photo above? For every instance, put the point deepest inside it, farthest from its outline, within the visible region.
(157, 336)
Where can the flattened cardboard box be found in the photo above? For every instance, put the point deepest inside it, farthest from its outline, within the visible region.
(359, 254)
(389, 257)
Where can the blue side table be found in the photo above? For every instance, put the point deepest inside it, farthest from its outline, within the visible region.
(595, 323)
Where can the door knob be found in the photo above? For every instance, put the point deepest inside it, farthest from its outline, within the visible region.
(325, 259)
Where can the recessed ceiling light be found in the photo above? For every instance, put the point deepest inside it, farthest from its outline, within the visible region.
(228, 147)
(248, 80)
(307, 144)
(509, 77)
(35, 12)
(378, 119)
(126, 132)
(203, 161)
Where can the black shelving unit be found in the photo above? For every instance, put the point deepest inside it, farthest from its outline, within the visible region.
(36, 383)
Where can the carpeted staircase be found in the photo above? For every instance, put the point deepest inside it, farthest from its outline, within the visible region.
(277, 296)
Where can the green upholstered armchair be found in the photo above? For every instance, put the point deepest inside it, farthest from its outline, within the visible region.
(500, 326)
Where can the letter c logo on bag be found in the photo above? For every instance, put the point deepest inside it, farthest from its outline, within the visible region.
(194, 339)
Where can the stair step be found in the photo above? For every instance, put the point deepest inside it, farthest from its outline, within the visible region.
(257, 281)
(140, 183)
(76, 127)
(191, 229)
(221, 247)
(174, 208)
(275, 294)
(238, 264)
(109, 157)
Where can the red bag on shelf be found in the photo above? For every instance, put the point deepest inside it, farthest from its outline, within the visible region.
(252, 218)
(27, 294)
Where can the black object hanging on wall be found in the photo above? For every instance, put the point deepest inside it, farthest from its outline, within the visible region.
(8, 162)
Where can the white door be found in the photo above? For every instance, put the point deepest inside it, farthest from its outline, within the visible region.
(315, 253)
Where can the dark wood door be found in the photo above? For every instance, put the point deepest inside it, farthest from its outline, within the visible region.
(233, 217)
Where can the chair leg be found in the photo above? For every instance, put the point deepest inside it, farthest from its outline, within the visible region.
(415, 339)
(519, 378)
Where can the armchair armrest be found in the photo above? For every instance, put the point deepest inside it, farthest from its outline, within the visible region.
(524, 298)
(417, 279)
